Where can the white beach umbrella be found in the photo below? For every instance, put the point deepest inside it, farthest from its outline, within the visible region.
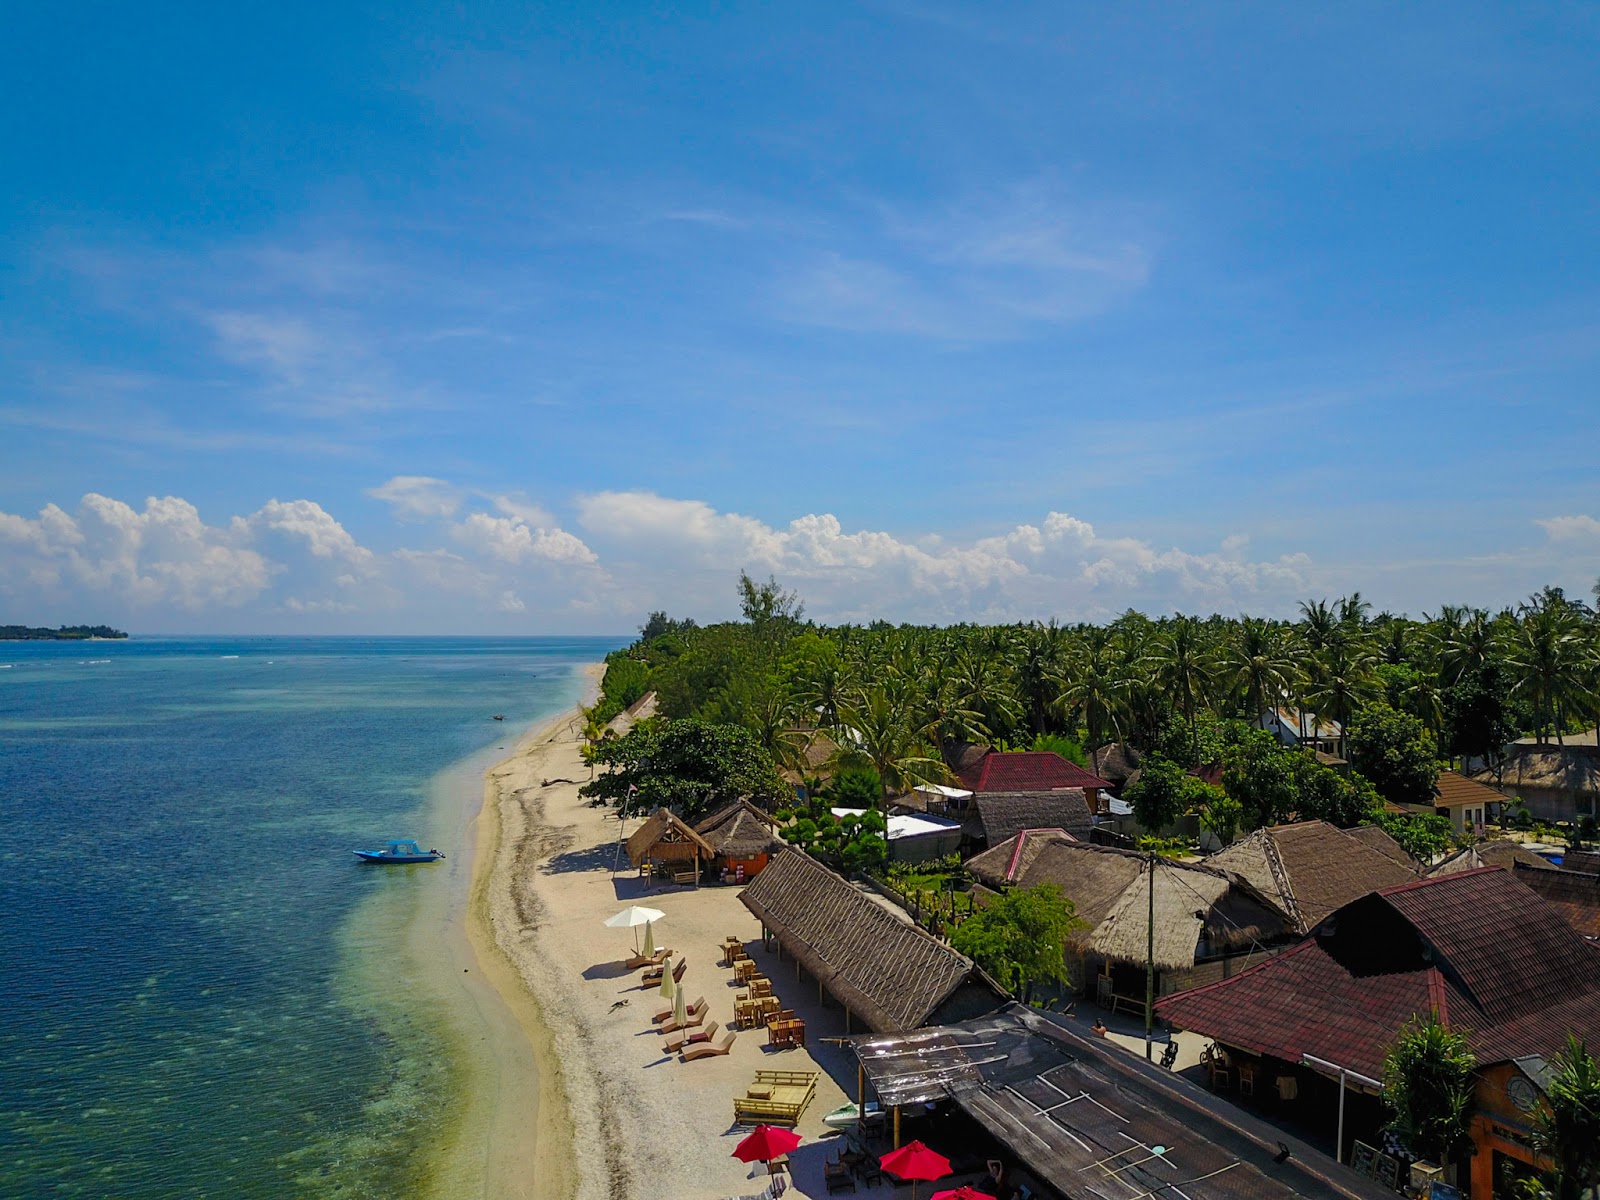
(632, 917)
(669, 985)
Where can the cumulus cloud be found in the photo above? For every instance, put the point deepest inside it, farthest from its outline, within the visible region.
(313, 524)
(161, 555)
(418, 497)
(513, 540)
(1060, 566)
(1566, 529)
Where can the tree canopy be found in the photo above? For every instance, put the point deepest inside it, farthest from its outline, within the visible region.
(1427, 1088)
(1020, 937)
(691, 767)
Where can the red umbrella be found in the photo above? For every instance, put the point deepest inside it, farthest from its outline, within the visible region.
(965, 1192)
(915, 1162)
(765, 1144)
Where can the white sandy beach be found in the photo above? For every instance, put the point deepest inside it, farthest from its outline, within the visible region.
(618, 1117)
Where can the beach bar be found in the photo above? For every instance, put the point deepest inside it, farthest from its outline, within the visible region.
(667, 844)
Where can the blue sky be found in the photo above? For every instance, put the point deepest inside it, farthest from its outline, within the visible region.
(329, 318)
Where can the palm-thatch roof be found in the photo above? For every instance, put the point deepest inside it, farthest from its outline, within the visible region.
(1374, 836)
(1504, 854)
(1115, 761)
(1573, 768)
(890, 973)
(1199, 911)
(668, 837)
(998, 816)
(740, 831)
(1010, 860)
(1311, 868)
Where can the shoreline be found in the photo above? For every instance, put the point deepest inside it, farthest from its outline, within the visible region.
(528, 1136)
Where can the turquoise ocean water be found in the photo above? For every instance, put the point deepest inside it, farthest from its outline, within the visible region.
(196, 993)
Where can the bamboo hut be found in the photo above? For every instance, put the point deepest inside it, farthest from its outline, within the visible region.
(667, 841)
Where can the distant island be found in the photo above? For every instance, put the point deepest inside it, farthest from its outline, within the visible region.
(67, 633)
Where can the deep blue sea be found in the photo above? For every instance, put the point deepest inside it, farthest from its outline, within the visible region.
(185, 1006)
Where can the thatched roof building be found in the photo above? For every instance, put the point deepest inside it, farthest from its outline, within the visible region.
(1558, 783)
(1374, 836)
(1311, 868)
(1115, 762)
(1503, 854)
(1008, 861)
(882, 968)
(1200, 912)
(996, 817)
(740, 832)
(668, 838)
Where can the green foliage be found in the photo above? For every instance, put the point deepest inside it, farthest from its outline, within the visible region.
(1059, 743)
(690, 767)
(1198, 747)
(1163, 793)
(1321, 793)
(659, 625)
(763, 603)
(1568, 1131)
(1427, 1088)
(1220, 815)
(848, 844)
(1395, 752)
(1477, 714)
(1020, 938)
(855, 787)
(1422, 837)
(64, 633)
(1259, 772)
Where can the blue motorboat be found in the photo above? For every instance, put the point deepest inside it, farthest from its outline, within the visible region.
(399, 852)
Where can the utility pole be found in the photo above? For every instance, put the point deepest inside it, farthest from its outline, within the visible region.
(1150, 964)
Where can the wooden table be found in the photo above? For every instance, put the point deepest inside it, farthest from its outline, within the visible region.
(786, 1033)
(760, 985)
(744, 969)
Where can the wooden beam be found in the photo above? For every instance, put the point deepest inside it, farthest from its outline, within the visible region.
(897, 1127)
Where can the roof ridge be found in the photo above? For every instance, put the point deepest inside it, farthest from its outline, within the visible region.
(1417, 883)
(1280, 877)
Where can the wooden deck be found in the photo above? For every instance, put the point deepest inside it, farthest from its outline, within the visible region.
(776, 1098)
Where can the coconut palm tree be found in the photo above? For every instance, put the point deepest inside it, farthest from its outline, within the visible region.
(1548, 657)
(1341, 682)
(1038, 671)
(982, 685)
(1181, 662)
(874, 725)
(1093, 691)
(1259, 665)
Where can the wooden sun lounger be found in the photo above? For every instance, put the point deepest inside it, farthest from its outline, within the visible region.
(665, 1014)
(710, 1049)
(647, 960)
(652, 978)
(694, 1018)
(680, 1039)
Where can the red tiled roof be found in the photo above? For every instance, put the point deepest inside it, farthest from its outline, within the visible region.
(1028, 771)
(1493, 959)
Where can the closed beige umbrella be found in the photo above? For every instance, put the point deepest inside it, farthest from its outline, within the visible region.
(680, 1010)
(649, 950)
(669, 986)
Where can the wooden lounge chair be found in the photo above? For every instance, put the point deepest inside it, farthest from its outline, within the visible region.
(647, 960)
(653, 978)
(665, 1014)
(691, 1037)
(696, 1016)
(710, 1049)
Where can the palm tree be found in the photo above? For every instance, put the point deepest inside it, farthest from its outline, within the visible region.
(1341, 682)
(1548, 658)
(877, 727)
(1568, 1131)
(1092, 689)
(1181, 662)
(1038, 671)
(1259, 665)
(981, 686)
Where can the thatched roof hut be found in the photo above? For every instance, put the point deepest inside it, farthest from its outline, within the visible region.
(1199, 912)
(1503, 854)
(880, 966)
(740, 832)
(1374, 836)
(668, 838)
(998, 816)
(1311, 868)
(1009, 860)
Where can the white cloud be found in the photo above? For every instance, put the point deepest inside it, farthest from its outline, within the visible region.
(418, 497)
(162, 556)
(512, 540)
(309, 521)
(1060, 567)
(1564, 529)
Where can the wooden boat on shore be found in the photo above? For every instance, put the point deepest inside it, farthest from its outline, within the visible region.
(399, 852)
